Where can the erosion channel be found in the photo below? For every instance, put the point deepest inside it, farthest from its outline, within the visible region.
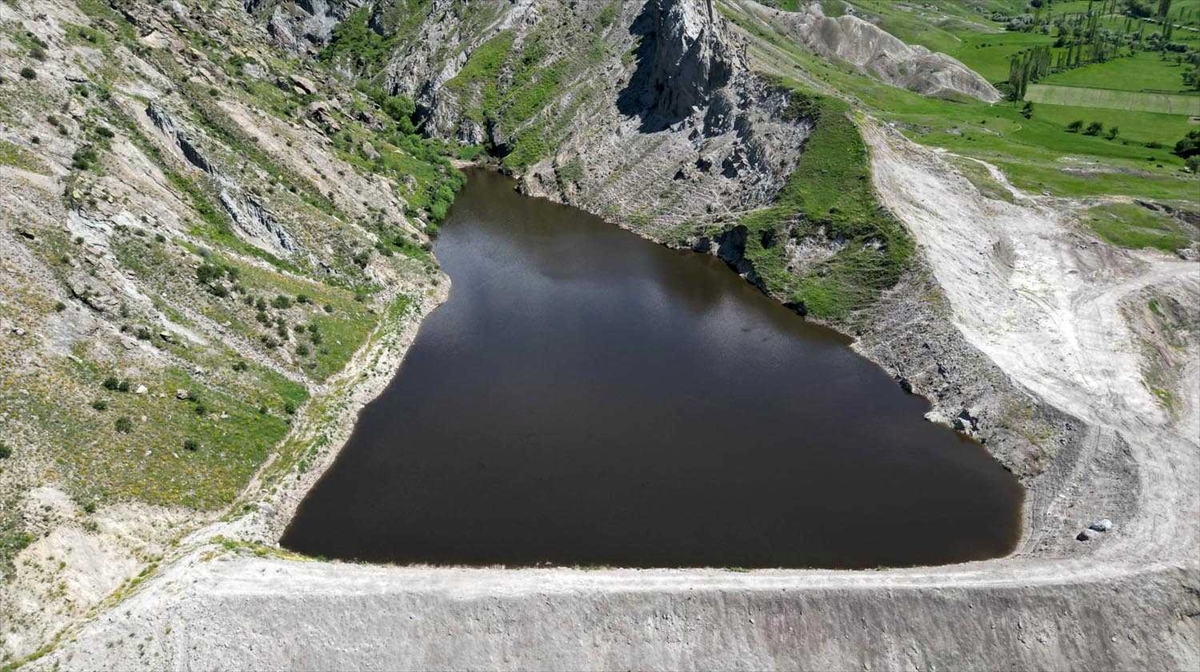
(586, 397)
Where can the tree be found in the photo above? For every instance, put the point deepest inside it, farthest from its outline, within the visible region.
(1075, 126)
(1191, 78)
(1094, 128)
(1113, 133)
(1189, 146)
(1027, 109)
(1193, 164)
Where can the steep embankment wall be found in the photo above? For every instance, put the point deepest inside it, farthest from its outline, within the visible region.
(258, 614)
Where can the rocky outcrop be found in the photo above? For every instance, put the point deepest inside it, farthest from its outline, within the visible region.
(875, 52)
(691, 59)
(251, 217)
(305, 25)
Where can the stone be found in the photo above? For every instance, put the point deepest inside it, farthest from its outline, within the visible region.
(18, 331)
(1085, 535)
(1102, 525)
(306, 85)
(141, 389)
(182, 394)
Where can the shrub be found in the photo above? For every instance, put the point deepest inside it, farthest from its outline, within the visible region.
(105, 132)
(28, 73)
(201, 409)
(207, 273)
(111, 383)
(191, 444)
(303, 298)
(5, 451)
(143, 334)
(302, 350)
(1113, 133)
(1075, 126)
(281, 302)
(1193, 163)
(123, 424)
(100, 404)
(89, 507)
(1094, 128)
(84, 158)
(60, 306)
(123, 386)
(328, 308)
(239, 366)
(1189, 145)
(289, 408)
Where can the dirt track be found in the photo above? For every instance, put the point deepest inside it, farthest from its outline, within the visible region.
(1037, 297)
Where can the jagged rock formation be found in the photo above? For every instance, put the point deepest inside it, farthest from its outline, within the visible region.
(303, 26)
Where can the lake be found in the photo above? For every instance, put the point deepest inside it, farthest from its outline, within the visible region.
(586, 397)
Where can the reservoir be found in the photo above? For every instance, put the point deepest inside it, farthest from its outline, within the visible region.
(586, 397)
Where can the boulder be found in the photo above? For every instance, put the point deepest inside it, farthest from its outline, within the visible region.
(1102, 525)
(304, 84)
(182, 394)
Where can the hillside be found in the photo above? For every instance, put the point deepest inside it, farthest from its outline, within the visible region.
(217, 229)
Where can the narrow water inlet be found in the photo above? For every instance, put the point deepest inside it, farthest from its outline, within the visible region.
(586, 397)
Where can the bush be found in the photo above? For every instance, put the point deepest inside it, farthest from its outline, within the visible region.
(1189, 145)
(303, 298)
(302, 350)
(100, 404)
(328, 308)
(1113, 133)
(1094, 128)
(289, 408)
(143, 334)
(201, 409)
(1193, 164)
(1075, 126)
(60, 306)
(111, 383)
(123, 386)
(207, 273)
(5, 451)
(239, 366)
(191, 444)
(84, 158)
(281, 302)
(28, 73)
(123, 424)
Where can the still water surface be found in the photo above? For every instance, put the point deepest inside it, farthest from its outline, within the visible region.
(588, 397)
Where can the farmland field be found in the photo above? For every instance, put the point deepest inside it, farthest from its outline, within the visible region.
(1110, 99)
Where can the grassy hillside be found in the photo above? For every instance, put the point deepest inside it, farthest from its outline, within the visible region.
(1036, 151)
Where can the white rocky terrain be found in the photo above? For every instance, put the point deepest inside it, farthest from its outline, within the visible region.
(1021, 329)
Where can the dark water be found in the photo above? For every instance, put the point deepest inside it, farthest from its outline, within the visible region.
(587, 397)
